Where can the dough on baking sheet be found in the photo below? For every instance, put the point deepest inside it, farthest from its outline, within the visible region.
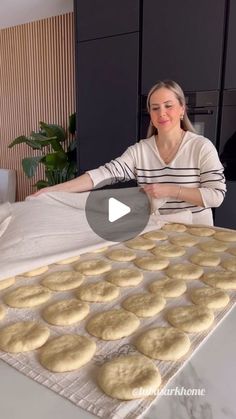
(168, 250)
(100, 249)
(155, 235)
(140, 244)
(175, 227)
(201, 231)
(163, 343)
(2, 312)
(185, 271)
(144, 305)
(67, 353)
(126, 277)
(68, 260)
(63, 280)
(152, 263)
(225, 236)
(205, 259)
(98, 292)
(168, 287)
(220, 279)
(92, 267)
(229, 264)
(209, 297)
(213, 246)
(23, 336)
(184, 240)
(6, 283)
(65, 312)
(232, 251)
(27, 296)
(121, 255)
(113, 324)
(36, 272)
(129, 377)
(190, 318)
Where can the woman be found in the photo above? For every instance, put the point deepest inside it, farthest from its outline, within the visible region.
(173, 163)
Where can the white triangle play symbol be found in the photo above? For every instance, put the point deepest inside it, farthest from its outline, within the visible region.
(116, 209)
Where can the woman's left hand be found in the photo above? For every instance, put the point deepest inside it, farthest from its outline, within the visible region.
(157, 190)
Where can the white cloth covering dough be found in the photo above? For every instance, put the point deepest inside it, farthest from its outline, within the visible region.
(121, 255)
(126, 277)
(23, 336)
(209, 297)
(98, 292)
(2, 312)
(225, 236)
(6, 283)
(229, 264)
(205, 259)
(63, 280)
(163, 343)
(168, 287)
(68, 260)
(184, 271)
(27, 296)
(67, 353)
(113, 324)
(65, 312)
(190, 318)
(213, 246)
(232, 251)
(144, 304)
(36, 272)
(129, 377)
(168, 250)
(92, 267)
(220, 279)
(174, 227)
(201, 231)
(185, 240)
(139, 243)
(152, 263)
(155, 235)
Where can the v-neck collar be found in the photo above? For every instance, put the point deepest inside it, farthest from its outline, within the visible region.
(176, 154)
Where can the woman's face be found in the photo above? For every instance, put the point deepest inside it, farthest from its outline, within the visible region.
(165, 110)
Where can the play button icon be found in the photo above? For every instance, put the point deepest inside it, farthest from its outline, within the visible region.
(117, 214)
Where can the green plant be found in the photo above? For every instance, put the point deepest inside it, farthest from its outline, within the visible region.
(59, 162)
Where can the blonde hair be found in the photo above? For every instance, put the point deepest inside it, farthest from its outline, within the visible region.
(185, 123)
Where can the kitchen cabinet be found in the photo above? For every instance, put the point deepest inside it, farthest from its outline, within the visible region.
(230, 69)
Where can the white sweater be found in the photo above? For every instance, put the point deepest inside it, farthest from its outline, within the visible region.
(195, 165)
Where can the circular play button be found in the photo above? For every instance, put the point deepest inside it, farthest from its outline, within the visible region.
(117, 214)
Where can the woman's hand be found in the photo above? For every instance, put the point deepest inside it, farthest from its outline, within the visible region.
(158, 190)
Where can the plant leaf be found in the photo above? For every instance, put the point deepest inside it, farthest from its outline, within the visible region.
(19, 140)
(41, 184)
(53, 130)
(30, 165)
(55, 161)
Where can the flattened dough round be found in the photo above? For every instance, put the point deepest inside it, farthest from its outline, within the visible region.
(168, 287)
(151, 263)
(124, 377)
(175, 227)
(190, 318)
(97, 292)
(126, 277)
(220, 279)
(205, 259)
(144, 305)
(92, 267)
(232, 250)
(36, 272)
(65, 312)
(185, 271)
(121, 255)
(201, 231)
(155, 235)
(27, 296)
(113, 324)
(168, 250)
(184, 240)
(163, 343)
(23, 336)
(2, 312)
(100, 249)
(6, 283)
(229, 264)
(213, 246)
(225, 236)
(63, 280)
(67, 353)
(209, 297)
(140, 244)
(68, 260)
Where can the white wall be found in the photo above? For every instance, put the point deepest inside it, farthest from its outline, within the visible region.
(17, 12)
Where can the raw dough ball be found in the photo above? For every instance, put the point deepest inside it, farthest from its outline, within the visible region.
(201, 231)
(63, 280)
(67, 353)
(213, 246)
(65, 312)
(101, 291)
(168, 250)
(209, 297)
(27, 296)
(113, 324)
(2, 312)
(168, 287)
(125, 277)
(179, 228)
(144, 305)
(205, 259)
(23, 336)
(92, 267)
(126, 377)
(140, 244)
(184, 240)
(5, 283)
(190, 318)
(155, 235)
(68, 260)
(184, 271)
(220, 279)
(229, 264)
(121, 255)
(163, 343)
(151, 263)
(225, 236)
(232, 250)
(36, 272)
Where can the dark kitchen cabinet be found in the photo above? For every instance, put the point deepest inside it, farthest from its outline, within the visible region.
(230, 69)
(183, 40)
